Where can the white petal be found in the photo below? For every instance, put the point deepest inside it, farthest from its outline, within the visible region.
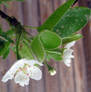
(32, 62)
(21, 78)
(35, 73)
(7, 77)
(10, 74)
(67, 62)
(67, 57)
(68, 53)
(69, 45)
(29, 62)
(20, 63)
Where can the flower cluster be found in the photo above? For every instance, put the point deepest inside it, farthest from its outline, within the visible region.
(25, 69)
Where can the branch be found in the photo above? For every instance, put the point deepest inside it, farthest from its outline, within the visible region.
(12, 20)
(74, 2)
(18, 28)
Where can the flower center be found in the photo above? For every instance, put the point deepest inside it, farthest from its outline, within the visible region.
(24, 69)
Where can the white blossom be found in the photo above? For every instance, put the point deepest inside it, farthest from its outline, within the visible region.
(22, 70)
(68, 54)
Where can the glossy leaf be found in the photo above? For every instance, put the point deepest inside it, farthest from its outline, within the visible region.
(56, 16)
(50, 40)
(73, 20)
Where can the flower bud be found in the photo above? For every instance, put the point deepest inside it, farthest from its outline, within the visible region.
(52, 72)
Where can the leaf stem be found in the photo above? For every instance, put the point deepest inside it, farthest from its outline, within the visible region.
(3, 38)
(17, 46)
(74, 2)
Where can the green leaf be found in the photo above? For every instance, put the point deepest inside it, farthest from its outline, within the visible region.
(54, 55)
(4, 48)
(4, 36)
(71, 38)
(10, 33)
(50, 40)
(6, 53)
(2, 43)
(73, 20)
(38, 49)
(5, 41)
(56, 16)
(25, 50)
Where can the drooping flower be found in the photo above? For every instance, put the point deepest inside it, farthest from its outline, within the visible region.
(22, 70)
(68, 54)
(51, 69)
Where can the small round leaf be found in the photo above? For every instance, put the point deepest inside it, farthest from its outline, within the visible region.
(50, 40)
